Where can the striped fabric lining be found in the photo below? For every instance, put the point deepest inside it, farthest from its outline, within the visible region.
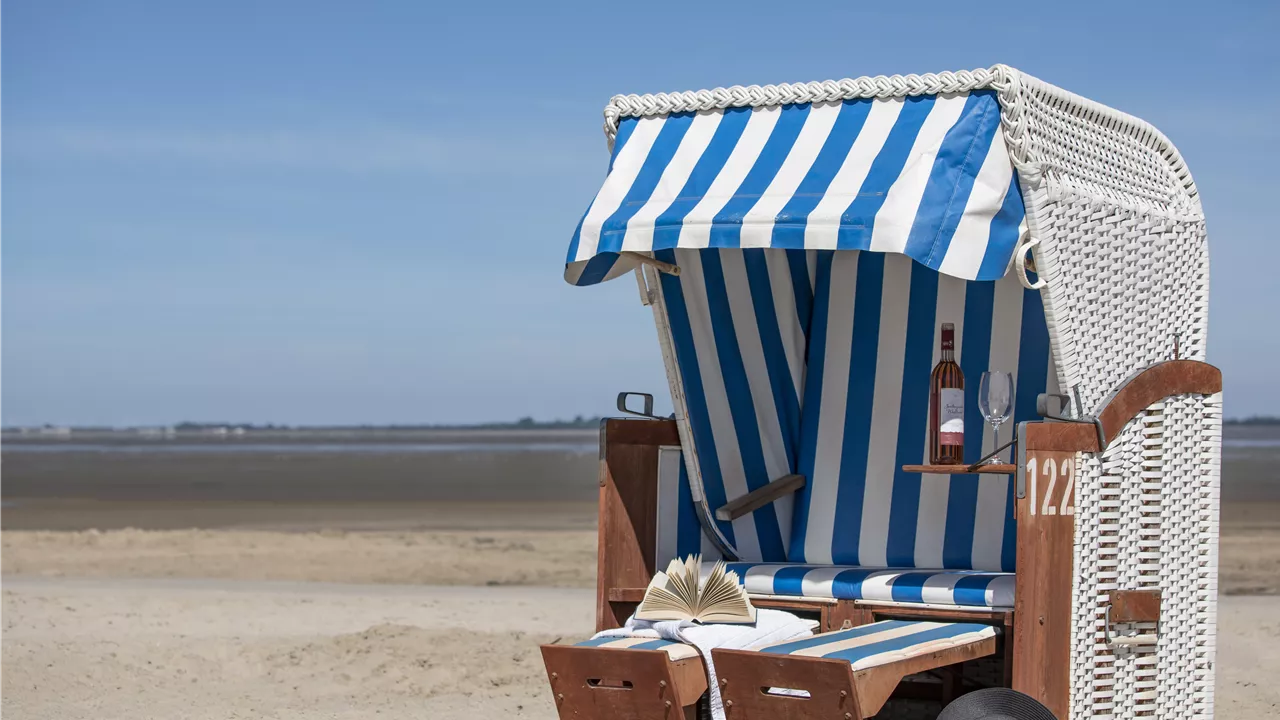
(927, 176)
(885, 642)
(873, 342)
(965, 588)
(675, 650)
(855, 336)
(738, 323)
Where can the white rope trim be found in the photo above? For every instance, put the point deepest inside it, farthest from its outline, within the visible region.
(997, 77)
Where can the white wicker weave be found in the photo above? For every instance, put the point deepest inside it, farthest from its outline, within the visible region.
(1122, 250)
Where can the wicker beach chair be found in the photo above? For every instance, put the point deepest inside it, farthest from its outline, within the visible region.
(800, 246)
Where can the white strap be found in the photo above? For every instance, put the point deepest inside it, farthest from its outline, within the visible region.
(1025, 245)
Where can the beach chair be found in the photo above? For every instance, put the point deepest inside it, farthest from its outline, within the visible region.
(800, 247)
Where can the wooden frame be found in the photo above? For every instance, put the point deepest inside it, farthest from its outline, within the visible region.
(591, 683)
(835, 689)
(1037, 633)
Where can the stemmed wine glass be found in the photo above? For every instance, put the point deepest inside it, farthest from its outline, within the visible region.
(995, 400)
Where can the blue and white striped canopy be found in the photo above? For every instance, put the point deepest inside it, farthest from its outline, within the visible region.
(927, 176)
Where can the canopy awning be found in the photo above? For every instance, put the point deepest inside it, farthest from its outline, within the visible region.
(927, 176)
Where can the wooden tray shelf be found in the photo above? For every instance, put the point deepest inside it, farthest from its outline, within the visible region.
(1001, 469)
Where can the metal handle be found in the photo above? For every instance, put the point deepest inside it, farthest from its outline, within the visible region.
(648, 404)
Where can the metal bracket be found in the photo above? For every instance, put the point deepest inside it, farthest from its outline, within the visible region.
(1126, 640)
(648, 404)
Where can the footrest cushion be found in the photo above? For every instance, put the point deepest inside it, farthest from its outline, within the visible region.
(675, 650)
(885, 642)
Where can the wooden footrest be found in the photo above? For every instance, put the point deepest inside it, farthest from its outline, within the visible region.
(625, 679)
(847, 674)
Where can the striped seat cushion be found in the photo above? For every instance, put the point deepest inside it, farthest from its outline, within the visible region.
(674, 650)
(935, 587)
(884, 642)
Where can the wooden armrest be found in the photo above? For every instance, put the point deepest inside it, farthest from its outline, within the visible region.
(760, 497)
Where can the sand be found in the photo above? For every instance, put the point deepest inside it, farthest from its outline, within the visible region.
(200, 649)
(260, 624)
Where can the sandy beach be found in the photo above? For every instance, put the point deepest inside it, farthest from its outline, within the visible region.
(167, 597)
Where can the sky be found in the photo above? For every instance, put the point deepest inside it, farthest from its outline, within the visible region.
(358, 212)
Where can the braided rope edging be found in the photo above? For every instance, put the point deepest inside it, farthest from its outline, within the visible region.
(998, 77)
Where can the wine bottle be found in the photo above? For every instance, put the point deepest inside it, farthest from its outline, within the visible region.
(946, 405)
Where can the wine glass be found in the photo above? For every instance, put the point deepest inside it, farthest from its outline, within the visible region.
(995, 400)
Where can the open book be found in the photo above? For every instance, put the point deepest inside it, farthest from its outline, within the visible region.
(677, 595)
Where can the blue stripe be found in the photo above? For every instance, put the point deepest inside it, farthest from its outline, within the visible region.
(857, 416)
(789, 225)
(727, 230)
(909, 587)
(972, 590)
(666, 227)
(695, 396)
(1033, 374)
(1003, 237)
(614, 229)
(955, 169)
(798, 264)
(858, 221)
(741, 568)
(839, 636)
(975, 358)
(653, 645)
(817, 357)
(913, 418)
(688, 529)
(597, 268)
(595, 642)
(786, 400)
(789, 581)
(741, 403)
(901, 643)
(847, 584)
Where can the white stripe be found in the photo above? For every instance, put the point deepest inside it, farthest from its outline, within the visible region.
(969, 243)
(626, 166)
(940, 589)
(935, 490)
(757, 224)
(773, 445)
(896, 216)
(759, 579)
(886, 406)
(696, 230)
(722, 428)
(1000, 591)
(835, 393)
(993, 490)
(669, 462)
(820, 582)
(639, 235)
(822, 229)
(784, 307)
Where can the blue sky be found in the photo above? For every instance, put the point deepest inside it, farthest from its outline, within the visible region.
(314, 212)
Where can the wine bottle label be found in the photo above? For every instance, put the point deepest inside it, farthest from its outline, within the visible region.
(951, 416)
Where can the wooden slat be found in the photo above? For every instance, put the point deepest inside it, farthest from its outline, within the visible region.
(1137, 393)
(628, 510)
(1153, 384)
(639, 431)
(1135, 606)
(994, 469)
(759, 497)
(1042, 595)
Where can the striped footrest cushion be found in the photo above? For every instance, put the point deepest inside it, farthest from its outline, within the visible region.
(885, 642)
(675, 650)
